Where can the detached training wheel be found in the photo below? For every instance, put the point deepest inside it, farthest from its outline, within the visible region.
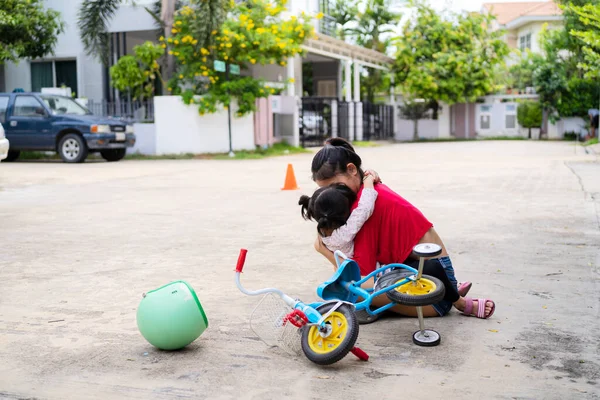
(333, 344)
(427, 250)
(426, 338)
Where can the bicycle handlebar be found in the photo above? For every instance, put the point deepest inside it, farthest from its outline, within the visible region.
(241, 260)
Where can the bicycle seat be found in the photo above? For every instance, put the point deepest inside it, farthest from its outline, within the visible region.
(333, 288)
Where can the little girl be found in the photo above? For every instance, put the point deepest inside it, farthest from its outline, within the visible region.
(330, 207)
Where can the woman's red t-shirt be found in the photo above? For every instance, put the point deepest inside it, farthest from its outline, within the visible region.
(389, 235)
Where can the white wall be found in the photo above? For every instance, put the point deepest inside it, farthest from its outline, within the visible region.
(133, 17)
(497, 116)
(535, 28)
(428, 129)
(180, 129)
(145, 139)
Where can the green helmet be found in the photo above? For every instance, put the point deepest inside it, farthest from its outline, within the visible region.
(171, 316)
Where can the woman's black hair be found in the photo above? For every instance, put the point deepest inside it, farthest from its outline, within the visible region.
(329, 206)
(333, 159)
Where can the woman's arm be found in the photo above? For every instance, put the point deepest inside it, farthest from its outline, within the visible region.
(320, 247)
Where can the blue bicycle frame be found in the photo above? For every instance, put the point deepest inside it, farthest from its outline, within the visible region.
(345, 285)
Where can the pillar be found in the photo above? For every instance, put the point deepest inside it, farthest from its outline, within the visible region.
(291, 87)
(356, 81)
(348, 80)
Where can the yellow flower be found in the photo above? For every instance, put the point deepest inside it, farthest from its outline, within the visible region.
(283, 63)
(184, 39)
(180, 76)
(260, 30)
(319, 15)
(252, 61)
(170, 89)
(226, 58)
(256, 43)
(175, 53)
(281, 45)
(170, 52)
(228, 45)
(178, 23)
(213, 33)
(203, 59)
(205, 73)
(162, 38)
(195, 42)
(176, 42)
(272, 91)
(164, 46)
(243, 45)
(251, 25)
(170, 40)
(293, 18)
(291, 80)
(243, 17)
(173, 30)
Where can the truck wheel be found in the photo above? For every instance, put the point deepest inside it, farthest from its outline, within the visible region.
(72, 148)
(12, 156)
(113, 155)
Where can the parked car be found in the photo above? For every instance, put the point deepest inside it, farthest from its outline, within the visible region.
(4, 144)
(48, 122)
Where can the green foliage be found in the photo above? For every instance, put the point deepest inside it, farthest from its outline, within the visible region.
(27, 29)
(451, 59)
(253, 33)
(529, 114)
(343, 12)
(589, 35)
(521, 75)
(137, 74)
(92, 20)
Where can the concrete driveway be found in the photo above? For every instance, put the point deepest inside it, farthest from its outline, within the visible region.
(79, 244)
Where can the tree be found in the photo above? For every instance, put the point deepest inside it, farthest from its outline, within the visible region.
(95, 15)
(589, 36)
(377, 21)
(137, 74)
(27, 30)
(343, 12)
(452, 58)
(529, 115)
(253, 33)
(415, 110)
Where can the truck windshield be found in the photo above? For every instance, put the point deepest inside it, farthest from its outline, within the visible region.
(60, 105)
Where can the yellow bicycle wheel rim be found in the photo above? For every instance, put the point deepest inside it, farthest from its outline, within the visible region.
(339, 329)
(421, 287)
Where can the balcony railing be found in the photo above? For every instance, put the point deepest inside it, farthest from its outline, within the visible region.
(327, 26)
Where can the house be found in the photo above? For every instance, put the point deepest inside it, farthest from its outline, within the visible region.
(330, 105)
(523, 22)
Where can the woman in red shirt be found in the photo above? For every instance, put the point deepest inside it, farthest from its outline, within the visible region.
(389, 235)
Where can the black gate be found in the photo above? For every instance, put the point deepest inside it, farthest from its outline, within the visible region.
(378, 121)
(322, 118)
(315, 121)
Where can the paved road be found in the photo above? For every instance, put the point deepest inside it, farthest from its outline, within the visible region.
(79, 244)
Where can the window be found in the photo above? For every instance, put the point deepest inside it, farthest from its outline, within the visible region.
(60, 105)
(3, 107)
(510, 116)
(27, 106)
(54, 74)
(511, 121)
(525, 42)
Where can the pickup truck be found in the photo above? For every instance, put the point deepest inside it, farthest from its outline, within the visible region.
(49, 122)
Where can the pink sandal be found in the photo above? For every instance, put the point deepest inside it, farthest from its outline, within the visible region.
(480, 308)
(464, 288)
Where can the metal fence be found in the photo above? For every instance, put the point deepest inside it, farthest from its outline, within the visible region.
(378, 121)
(130, 110)
(322, 118)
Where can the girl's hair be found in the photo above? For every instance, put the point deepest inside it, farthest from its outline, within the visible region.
(329, 206)
(333, 159)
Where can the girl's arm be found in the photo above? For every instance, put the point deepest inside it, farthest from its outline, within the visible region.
(346, 233)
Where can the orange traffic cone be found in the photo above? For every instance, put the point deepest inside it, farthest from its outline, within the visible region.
(290, 179)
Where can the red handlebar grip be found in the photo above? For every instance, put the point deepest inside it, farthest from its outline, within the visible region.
(241, 260)
(360, 354)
